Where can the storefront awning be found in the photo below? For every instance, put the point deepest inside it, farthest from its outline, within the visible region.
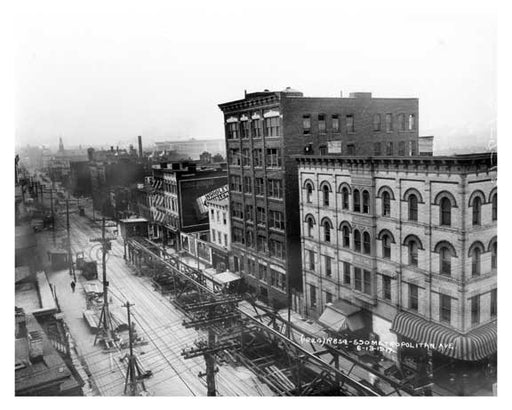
(341, 316)
(475, 345)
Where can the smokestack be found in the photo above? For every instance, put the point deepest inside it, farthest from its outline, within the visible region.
(139, 138)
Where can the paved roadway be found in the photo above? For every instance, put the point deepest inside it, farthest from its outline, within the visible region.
(156, 320)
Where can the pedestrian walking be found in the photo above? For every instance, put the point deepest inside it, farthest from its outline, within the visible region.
(73, 284)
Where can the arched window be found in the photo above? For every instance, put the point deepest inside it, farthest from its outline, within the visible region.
(445, 261)
(357, 241)
(445, 206)
(477, 210)
(367, 248)
(386, 204)
(413, 252)
(386, 246)
(344, 198)
(325, 191)
(309, 193)
(310, 225)
(366, 202)
(494, 201)
(327, 230)
(413, 207)
(346, 236)
(475, 261)
(357, 201)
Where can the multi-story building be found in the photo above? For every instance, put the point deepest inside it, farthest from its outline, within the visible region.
(264, 131)
(405, 248)
(175, 202)
(220, 228)
(192, 148)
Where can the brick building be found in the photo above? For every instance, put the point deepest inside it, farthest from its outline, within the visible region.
(404, 249)
(174, 206)
(263, 131)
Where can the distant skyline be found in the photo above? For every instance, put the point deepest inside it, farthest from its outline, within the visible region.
(99, 75)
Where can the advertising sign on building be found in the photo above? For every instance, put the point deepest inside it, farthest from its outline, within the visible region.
(217, 194)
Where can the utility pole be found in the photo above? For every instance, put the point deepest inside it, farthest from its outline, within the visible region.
(105, 327)
(133, 372)
(208, 314)
(53, 215)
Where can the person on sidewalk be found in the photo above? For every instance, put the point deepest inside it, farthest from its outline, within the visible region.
(73, 284)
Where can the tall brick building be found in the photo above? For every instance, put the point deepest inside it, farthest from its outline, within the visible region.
(404, 250)
(264, 131)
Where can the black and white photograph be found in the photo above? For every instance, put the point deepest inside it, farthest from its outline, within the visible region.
(254, 199)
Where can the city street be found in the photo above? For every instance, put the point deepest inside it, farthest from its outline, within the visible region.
(156, 320)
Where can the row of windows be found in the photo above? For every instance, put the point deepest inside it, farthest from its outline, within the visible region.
(245, 185)
(444, 199)
(275, 218)
(405, 123)
(404, 148)
(273, 246)
(270, 127)
(219, 220)
(217, 237)
(273, 157)
(266, 274)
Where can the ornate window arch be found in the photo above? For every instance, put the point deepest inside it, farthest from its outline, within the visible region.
(309, 186)
(476, 204)
(474, 194)
(413, 244)
(413, 191)
(327, 226)
(475, 253)
(386, 188)
(346, 231)
(493, 199)
(366, 202)
(386, 232)
(325, 187)
(445, 194)
(310, 221)
(356, 200)
(344, 185)
(493, 248)
(357, 240)
(367, 243)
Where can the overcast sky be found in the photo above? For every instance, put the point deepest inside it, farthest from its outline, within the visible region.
(108, 72)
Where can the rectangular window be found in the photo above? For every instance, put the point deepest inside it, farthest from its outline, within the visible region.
(367, 282)
(249, 238)
(351, 149)
(376, 148)
(257, 157)
(273, 277)
(401, 122)
(246, 157)
(273, 126)
(414, 147)
(475, 310)
(232, 130)
(258, 186)
(219, 236)
(237, 210)
(311, 261)
(328, 297)
(257, 128)
(212, 215)
(261, 216)
(218, 216)
(376, 122)
(225, 239)
(445, 308)
(401, 148)
(276, 220)
(234, 157)
(386, 287)
(494, 303)
(321, 123)
(389, 122)
(244, 129)
(306, 124)
(251, 266)
(262, 243)
(357, 279)
(350, 123)
(412, 122)
(346, 273)
(312, 296)
(335, 123)
(328, 265)
(238, 235)
(213, 235)
(413, 297)
(276, 249)
(274, 158)
(389, 148)
(262, 274)
(224, 218)
(275, 188)
(249, 212)
(248, 185)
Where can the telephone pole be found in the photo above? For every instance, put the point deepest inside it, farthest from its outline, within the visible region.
(70, 256)
(105, 327)
(134, 375)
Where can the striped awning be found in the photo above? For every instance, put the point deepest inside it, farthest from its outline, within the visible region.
(474, 345)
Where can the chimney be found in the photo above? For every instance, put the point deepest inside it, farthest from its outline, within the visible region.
(90, 154)
(21, 323)
(139, 138)
(35, 346)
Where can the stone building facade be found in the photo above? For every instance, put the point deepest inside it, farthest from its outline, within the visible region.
(408, 243)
